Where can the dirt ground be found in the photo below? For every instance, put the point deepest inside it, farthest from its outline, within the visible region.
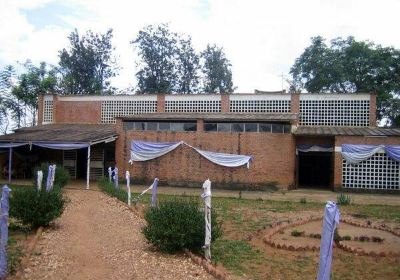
(98, 238)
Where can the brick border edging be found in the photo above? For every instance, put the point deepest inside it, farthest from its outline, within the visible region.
(31, 247)
(268, 238)
(207, 265)
(371, 253)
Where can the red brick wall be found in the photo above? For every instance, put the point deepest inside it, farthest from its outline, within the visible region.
(40, 109)
(360, 140)
(372, 109)
(295, 105)
(77, 112)
(274, 158)
(225, 103)
(160, 103)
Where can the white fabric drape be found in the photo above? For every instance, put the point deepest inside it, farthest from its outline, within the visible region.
(354, 154)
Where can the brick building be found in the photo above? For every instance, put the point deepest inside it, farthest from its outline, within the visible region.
(295, 139)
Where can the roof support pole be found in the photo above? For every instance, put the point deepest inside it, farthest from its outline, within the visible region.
(9, 164)
(88, 168)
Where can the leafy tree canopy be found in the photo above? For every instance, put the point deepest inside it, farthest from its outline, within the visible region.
(216, 71)
(349, 66)
(88, 64)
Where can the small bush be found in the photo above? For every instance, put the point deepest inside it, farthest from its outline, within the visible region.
(343, 199)
(303, 200)
(61, 179)
(106, 186)
(179, 224)
(377, 239)
(315, 235)
(35, 208)
(346, 238)
(297, 233)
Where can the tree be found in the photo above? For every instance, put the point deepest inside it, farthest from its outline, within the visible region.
(34, 81)
(216, 69)
(88, 64)
(188, 67)
(349, 66)
(157, 48)
(7, 75)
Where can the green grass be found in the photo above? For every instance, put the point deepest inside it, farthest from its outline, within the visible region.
(235, 255)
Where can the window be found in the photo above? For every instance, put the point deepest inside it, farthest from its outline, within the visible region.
(224, 127)
(237, 127)
(210, 127)
(152, 126)
(251, 127)
(265, 127)
(163, 126)
(160, 126)
(248, 127)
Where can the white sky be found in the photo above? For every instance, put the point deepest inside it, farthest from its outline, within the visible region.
(261, 38)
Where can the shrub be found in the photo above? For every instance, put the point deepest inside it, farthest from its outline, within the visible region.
(303, 200)
(179, 224)
(343, 199)
(61, 179)
(297, 233)
(35, 208)
(109, 188)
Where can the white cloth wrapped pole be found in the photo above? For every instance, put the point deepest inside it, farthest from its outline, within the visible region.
(128, 180)
(154, 193)
(110, 172)
(206, 195)
(49, 178)
(53, 175)
(116, 177)
(39, 180)
(331, 220)
(4, 206)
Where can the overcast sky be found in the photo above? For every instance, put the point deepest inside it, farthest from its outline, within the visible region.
(261, 38)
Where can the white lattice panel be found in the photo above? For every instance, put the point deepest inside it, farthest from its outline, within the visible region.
(334, 112)
(192, 104)
(115, 108)
(259, 103)
(378, 172)
(48, 111)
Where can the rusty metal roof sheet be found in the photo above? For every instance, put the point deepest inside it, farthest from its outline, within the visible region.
(72, 133)
(346, 131)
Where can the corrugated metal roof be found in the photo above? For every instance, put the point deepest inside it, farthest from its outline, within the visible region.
(346, 131)
(71, 133)
(215, 116)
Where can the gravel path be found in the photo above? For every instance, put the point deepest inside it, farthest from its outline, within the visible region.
(98, 238)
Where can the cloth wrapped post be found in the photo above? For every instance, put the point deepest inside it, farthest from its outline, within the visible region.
(53, 175)
(206, 195)
(110, 173)
(39, 180)
(154, 193)
(128, 180)
(116, 177)
(331, 220)
(4, 230)
(49, 178)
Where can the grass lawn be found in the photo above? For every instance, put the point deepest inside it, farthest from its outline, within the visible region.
(242, 251)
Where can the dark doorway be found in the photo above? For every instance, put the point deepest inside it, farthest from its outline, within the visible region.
(81, 164)
(315, 169)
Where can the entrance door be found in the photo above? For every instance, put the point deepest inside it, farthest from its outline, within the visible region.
(96, 162)
(315, 169)
(69, 162)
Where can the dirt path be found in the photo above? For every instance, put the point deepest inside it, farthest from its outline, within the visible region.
(98, 238)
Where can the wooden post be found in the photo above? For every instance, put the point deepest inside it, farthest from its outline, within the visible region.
(206, 195)
(9, 164)
(88, 169)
